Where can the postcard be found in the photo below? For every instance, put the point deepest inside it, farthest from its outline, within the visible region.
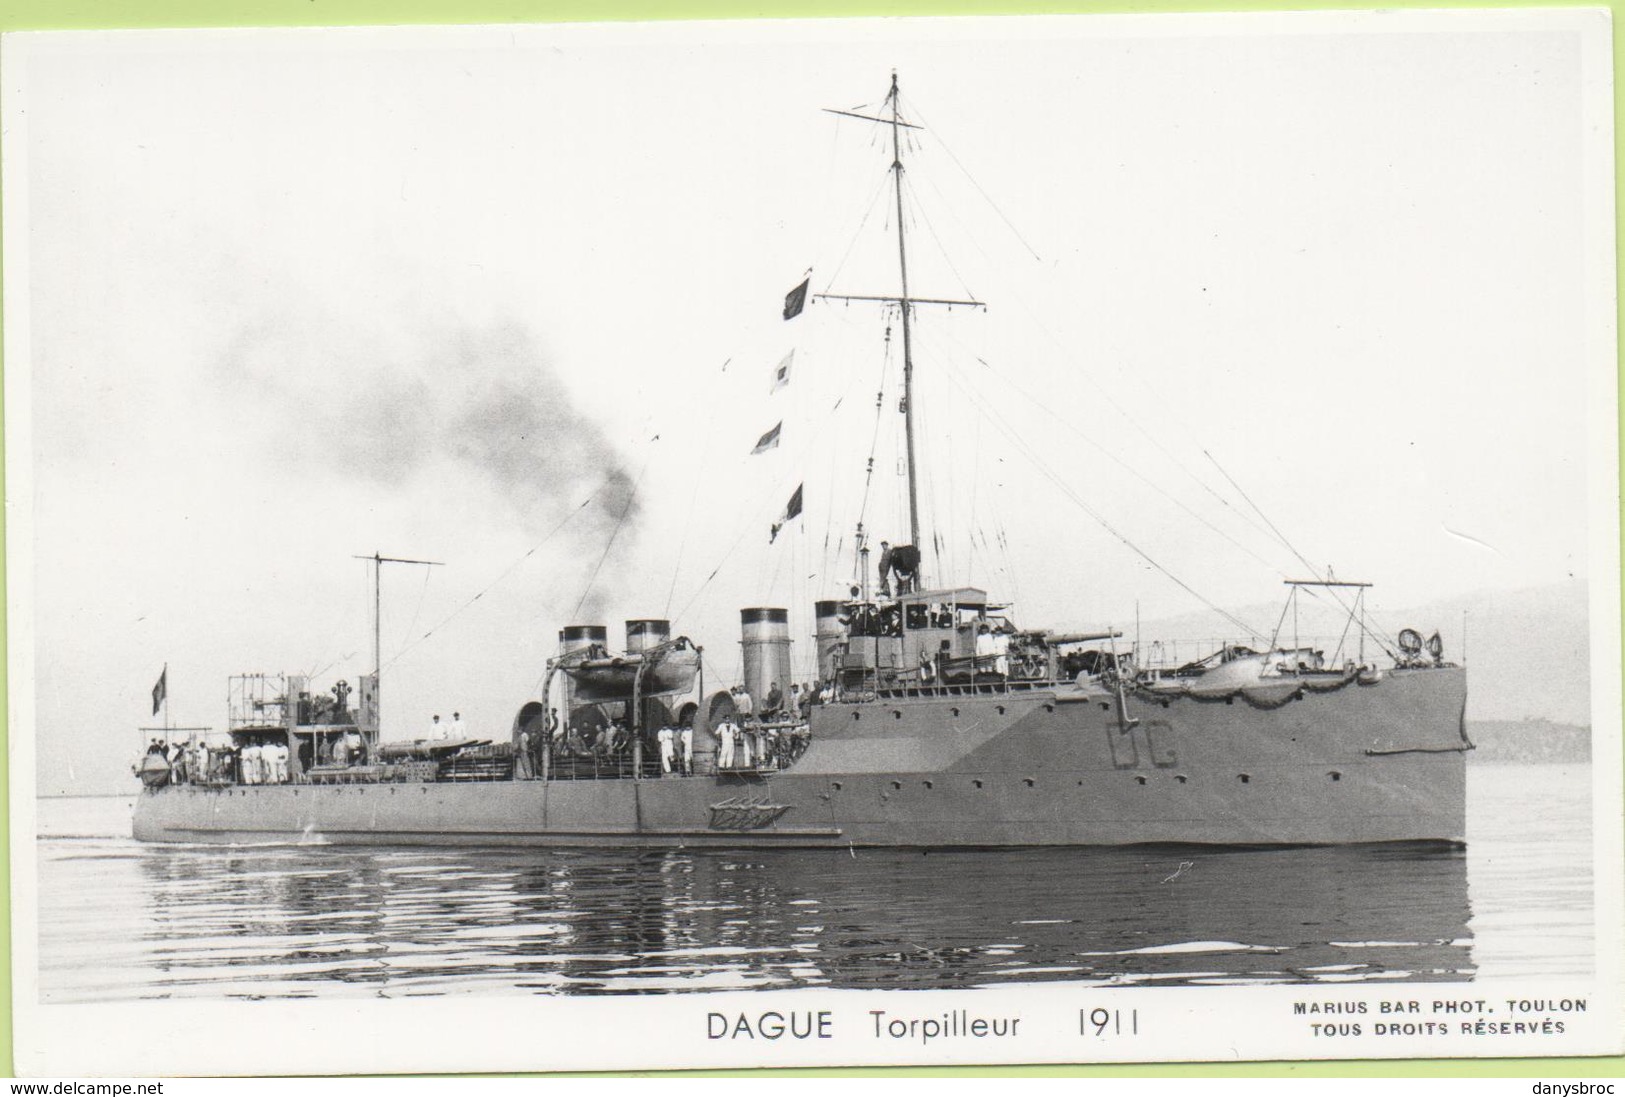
(813, 542)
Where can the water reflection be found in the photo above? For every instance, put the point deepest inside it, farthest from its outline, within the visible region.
(289, 921)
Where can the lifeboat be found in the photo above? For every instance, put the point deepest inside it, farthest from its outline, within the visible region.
(153, 771)
(664, 670)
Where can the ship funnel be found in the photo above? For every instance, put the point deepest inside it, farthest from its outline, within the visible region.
(829, 633)
(576, 638)
(765, 640)
(646, 633)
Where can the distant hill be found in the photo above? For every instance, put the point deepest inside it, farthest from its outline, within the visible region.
(1506, 741)
(1528, 651)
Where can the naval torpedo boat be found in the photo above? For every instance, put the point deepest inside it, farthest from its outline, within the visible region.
(936, 721)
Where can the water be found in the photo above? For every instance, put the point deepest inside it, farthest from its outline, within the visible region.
(120, 920)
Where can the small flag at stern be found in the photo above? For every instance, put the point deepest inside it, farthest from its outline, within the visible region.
(160, 691)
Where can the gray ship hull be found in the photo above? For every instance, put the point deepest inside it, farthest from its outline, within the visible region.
(1382, 762)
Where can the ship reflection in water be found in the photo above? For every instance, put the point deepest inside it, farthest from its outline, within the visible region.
(290, 921)
(121, 920)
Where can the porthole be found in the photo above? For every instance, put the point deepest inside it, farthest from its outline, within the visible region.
(856, 715)
(1000, 709)
(897, 786)
(954, 711)
(836, 785)
(1229, 700)
(1139, 780)
(1049, 707)
(1334, 775)
(1165, 702)
(1181, 778)
(928, 784)
(896, 714)
(1029, 782)
(1244, 778)
(1105, 707)
(975, 784)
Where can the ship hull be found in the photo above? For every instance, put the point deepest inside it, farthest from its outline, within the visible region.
(1379, 762)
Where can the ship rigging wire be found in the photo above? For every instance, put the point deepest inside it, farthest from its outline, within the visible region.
(917, 205)
(942, 142)
(1038, 323)
(1006, 382)
(914, 215)
(509, 570)
(1332, 591)
(694, 495)
(917, 208)
(631, 498)
(1066, 489)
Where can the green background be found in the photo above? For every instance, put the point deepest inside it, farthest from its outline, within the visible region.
(107, 14)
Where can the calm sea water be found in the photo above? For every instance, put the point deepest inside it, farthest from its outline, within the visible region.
(121, 920)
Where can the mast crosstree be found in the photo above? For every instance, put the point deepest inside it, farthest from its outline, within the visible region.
(378, 562)
(903, 301)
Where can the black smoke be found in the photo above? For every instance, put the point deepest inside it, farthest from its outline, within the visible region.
(483, 401)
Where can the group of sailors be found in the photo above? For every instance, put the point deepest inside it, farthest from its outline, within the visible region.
(445, 733)
(747, 743)
(676, 746)
(609, 741)
(264, 763)
(748, 740)
(777, 705)
(196, 763)
(766, 734)
(993, 644)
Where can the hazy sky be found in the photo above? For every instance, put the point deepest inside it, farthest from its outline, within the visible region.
(294, 296)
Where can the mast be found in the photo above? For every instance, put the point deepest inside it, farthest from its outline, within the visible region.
(908, 342)
(905, 304)
(378, 563)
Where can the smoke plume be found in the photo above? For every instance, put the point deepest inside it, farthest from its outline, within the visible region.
(482, 402)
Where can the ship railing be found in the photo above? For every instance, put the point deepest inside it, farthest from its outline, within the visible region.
(982, 686)
(563, 766)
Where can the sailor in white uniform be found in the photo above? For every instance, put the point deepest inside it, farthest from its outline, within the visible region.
(458, 730)
(527, 767)
(664, 737)
(725, 749)
(437, 730)
(688, 749)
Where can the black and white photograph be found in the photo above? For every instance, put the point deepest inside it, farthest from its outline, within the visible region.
(806, 543)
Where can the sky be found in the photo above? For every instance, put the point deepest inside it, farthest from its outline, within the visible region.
(510, 299)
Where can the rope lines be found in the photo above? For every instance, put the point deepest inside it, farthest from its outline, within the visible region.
(986, 197)
(631, 497)
(509, 570)
(1021, 445)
